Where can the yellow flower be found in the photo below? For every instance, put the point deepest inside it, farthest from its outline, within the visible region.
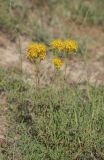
(70, 46)
(36, 50)
(57, 44)
(32, 51)
(57, 63)
(42, 51)
(42, 55)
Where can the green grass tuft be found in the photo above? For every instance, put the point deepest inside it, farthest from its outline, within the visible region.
(53, 124)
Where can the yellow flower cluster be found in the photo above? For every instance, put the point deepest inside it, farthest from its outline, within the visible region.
(57, 63)
(70, 46)
(36, 50)
(57, 44)
(67, 45)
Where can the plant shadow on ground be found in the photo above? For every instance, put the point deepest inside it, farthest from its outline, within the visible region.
(52, 124)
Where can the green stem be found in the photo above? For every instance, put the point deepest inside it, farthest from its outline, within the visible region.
(37, 75)
(65, 75)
